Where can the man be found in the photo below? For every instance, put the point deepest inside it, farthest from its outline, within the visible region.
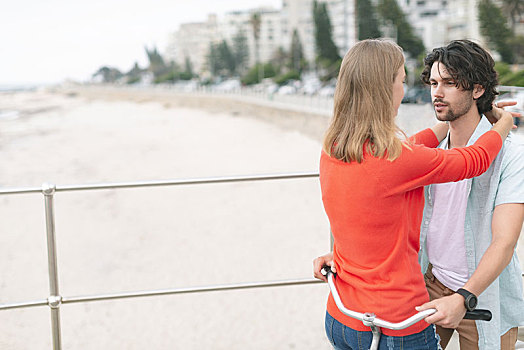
(470, 228)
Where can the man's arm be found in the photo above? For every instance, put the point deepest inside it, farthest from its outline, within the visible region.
(506, 226)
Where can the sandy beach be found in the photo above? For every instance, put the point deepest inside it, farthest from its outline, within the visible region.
(165, 237)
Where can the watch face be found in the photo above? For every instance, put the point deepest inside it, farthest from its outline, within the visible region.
(471, 302)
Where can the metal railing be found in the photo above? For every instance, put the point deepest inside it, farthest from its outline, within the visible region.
(55, 300)
(512, 89)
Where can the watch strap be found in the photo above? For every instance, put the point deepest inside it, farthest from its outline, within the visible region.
(468, 296)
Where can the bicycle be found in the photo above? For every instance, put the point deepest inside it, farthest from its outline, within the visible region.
(375, 323)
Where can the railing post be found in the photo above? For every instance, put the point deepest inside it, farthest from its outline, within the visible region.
(54, 300)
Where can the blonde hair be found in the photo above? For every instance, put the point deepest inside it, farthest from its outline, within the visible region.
(364, 112)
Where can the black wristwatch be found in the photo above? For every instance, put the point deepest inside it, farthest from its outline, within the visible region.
(470, 299)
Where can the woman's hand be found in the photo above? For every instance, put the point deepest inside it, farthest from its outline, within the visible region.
(320, 262)
(498, 112)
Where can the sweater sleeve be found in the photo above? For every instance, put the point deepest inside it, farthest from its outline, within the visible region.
(422, 166)
(425, 137)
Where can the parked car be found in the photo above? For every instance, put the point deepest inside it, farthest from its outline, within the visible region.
(311, 86)
(327, 91)
(287, 90)
(228, 86)
(417, 95)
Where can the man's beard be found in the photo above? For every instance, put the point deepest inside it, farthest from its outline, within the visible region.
(456, 112)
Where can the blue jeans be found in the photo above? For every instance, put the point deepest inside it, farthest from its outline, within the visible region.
(345, 338)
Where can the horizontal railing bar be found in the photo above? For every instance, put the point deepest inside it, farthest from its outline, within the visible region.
(150, 293)
(188, 290)
(125, 295)
(175, 182)
(20, 190)
(510, 88)
(23, 304)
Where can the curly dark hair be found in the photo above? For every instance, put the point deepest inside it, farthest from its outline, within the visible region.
(468, 64)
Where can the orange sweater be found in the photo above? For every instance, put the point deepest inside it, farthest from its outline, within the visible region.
(375, 212)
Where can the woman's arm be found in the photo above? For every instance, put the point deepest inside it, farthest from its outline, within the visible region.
(427, 137)
(425, 165)
(504, 122)
(494, 115)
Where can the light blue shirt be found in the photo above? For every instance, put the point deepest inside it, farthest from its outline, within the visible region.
(502, 183)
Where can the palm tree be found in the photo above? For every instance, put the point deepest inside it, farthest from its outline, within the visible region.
(256, 22)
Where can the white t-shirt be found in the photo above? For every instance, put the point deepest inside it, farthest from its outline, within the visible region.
(445, 240)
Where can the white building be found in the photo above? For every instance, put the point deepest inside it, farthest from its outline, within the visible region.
(298, 14)
(192, 40)
(430, 20)
(438, 22)
(463, 21)
(344, 23)
(270, 35)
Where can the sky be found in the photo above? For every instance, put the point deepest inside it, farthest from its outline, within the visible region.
(45, 42)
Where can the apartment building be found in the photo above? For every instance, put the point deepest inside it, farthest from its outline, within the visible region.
(343, 20)
(463, 21)
(298, 14)
(270, 36)
(192, 40)
(429, 18)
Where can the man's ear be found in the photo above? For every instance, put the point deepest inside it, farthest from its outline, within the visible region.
(478, 91)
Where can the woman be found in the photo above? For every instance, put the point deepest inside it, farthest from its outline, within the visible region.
(372, 190)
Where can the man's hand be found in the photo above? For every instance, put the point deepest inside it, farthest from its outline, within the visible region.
(320, 262)
(450, 311)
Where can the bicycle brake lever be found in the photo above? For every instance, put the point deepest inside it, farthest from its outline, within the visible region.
(326, 269)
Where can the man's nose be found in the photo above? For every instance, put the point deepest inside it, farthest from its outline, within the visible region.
(438, 91)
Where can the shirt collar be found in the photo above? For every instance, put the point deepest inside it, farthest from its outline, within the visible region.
(482, 127)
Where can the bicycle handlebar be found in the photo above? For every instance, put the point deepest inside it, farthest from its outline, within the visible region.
(370, 319)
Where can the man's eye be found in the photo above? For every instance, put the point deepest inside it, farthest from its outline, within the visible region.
(451, 82)
(433, 83)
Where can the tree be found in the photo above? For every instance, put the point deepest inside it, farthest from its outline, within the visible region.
(513, 9)
(259, 72)
(240, 51)
(406, 38)
(156, 63)
(227, 58)
(296, 54)
(221, 60)
(325, 46)
(133, 76)
(212, 59)
(187, 74)
(285, 78)
(256, 23)
(161, 71)
(517, 44)
(108, 74)
(280, 58)
(368, 25)
(494, 27)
